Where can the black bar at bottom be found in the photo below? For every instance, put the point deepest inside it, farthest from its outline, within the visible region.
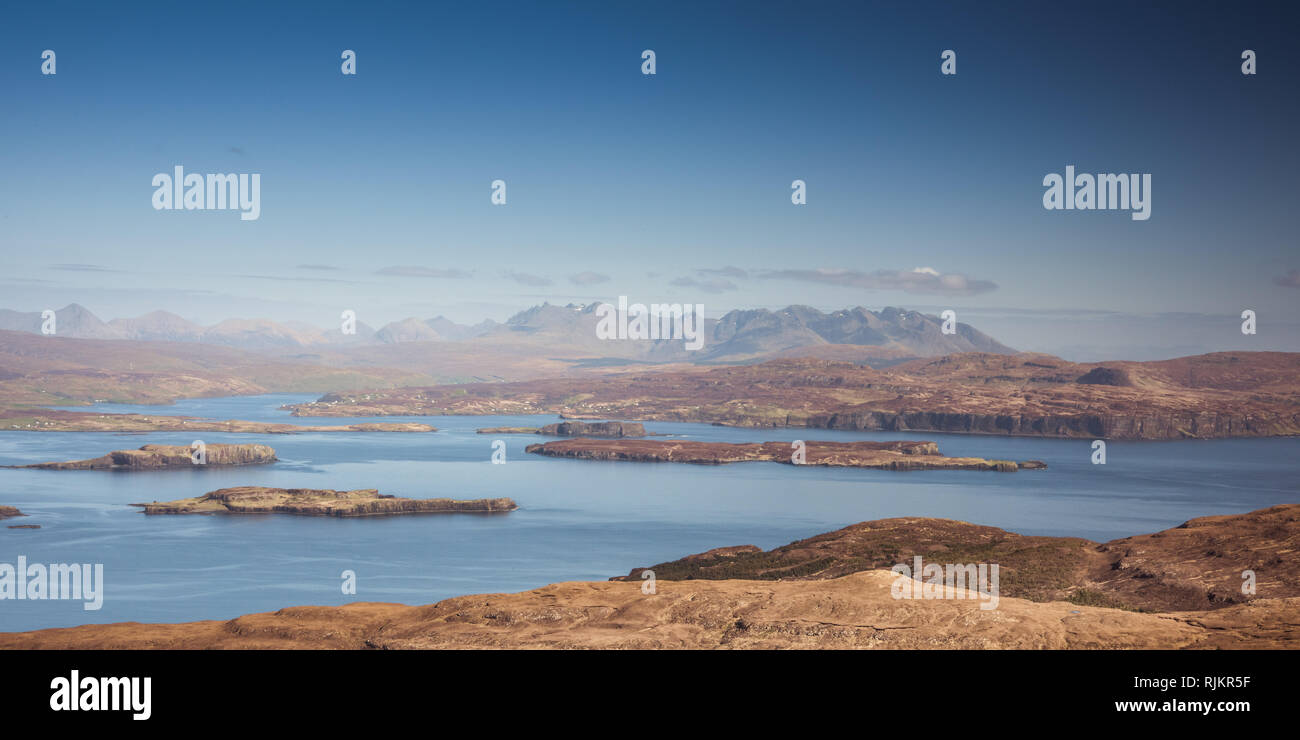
(994, 688)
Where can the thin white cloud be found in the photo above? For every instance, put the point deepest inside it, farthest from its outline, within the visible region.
(524, 278)
(922, 280)
(417, 271)
(78, 267)
(717, 285)
(730, 271)
(588, 278)
(1289, 280)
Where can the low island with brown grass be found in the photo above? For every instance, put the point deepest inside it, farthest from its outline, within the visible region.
(896, 455)
(159, 457)
(9, 512)
(321, 502)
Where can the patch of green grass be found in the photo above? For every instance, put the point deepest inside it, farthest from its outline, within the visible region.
(1089, 597)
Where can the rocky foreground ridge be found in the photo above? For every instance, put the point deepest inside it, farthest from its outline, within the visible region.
(1195, 566)
(158, 457)
(321, 502)
(1224, 394)
(841, 603)
(898, 455)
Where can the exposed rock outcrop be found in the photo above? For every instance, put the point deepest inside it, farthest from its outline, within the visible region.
(7, 512)
(610, 429)
(1102, 375)
(594, 429)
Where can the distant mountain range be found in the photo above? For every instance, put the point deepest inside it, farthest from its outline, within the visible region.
(881, 337)
(886, 336)
(77, 322)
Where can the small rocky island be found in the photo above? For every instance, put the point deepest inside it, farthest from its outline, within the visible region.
(7, 512)
(158, 457)
(900, 455)
(321, 502)
(608, 429)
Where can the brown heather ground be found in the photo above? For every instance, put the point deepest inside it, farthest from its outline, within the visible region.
(855, 611)
(53, 420)
(1226, 394)
(1195, 566)
(40, 370)
(55, 371)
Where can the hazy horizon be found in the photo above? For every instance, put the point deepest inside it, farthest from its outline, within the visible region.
(1181, 333)
(924, 190)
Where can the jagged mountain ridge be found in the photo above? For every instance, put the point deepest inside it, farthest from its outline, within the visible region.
(747, 334)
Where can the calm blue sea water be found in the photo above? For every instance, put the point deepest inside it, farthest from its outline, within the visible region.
(579, 520)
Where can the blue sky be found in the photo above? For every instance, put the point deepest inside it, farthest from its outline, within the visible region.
(658, 182)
